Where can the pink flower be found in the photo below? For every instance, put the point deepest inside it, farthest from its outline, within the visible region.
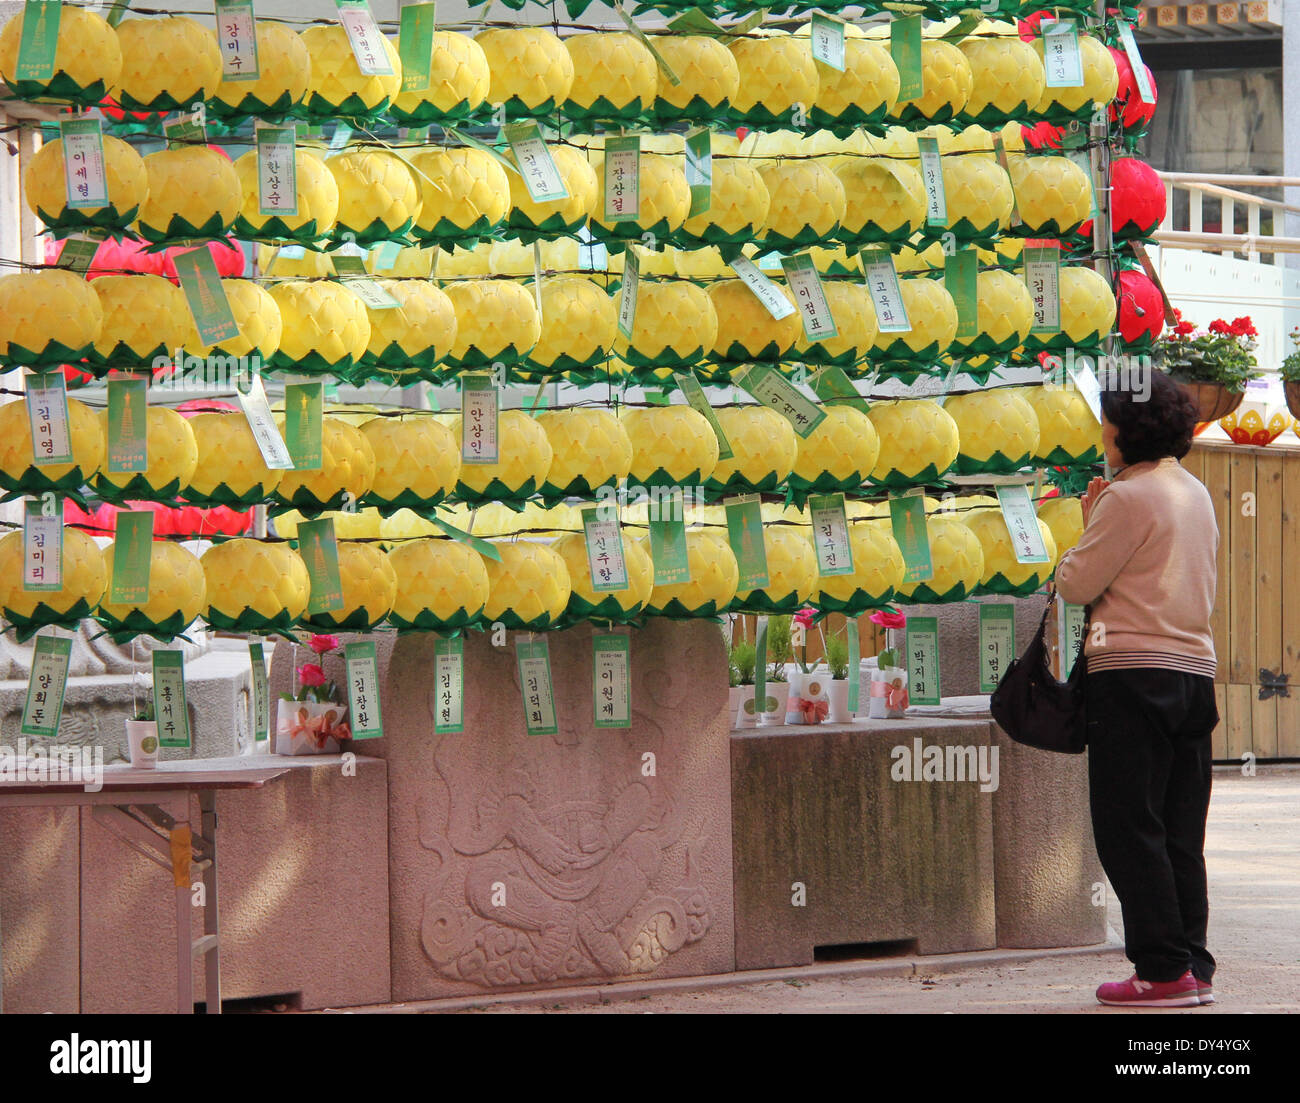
(311, 675)
(805, 617)
(322, 644)
(888, 620)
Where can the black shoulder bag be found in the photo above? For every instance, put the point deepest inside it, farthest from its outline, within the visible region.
(1033, 708)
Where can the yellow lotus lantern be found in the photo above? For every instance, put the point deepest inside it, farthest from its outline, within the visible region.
(978, 195)
(708, 79)
(1006, 315)
(1064, 516)
(664, 202)
(997, 428)
(839, 454)
(590, 449)
(1068, 434)
(524, 460)
(777, 77)
(579, 325)
(957, 558)
(256, 314)
(933, 315)
(702, 265)
(407, 263)
(1008, 76)
(325, 327)
(528, 219)
(45, 187)
(855, 325)
(877, 571)
(1087, 312)
(738, 205)
(676, 323)
(946, 81)
(411, 339)
(47, 318)
(254, 586)
(532, 72)
(459, 79)
(317, 198)
(1256, 421)
(671, 446)
(1003, 574)
(172, 457)
(230, 470)
(87, 59)
(863, 94)
(441, 585)
(19, 474)
(1100, 83)
(345, 476)
(1053, 194)
(144, 317)
(763, 451)
(169, 63)
(194, 192)
(369, 585)
(791, 570)
(746, 330)
(614, 77)
(177, 592)
(378, 196)
(338, 87)
(83, 580)
(496, 322)
(417, 463)
(611, 606)
(284, 75)
(919, 441)
(464, 194)
(528, 588)
(884, 200)
(807, 202)
(711, 588)
(300, 264)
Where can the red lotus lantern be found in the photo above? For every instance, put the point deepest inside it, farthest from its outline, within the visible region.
(1043, 135)
(1141, 309)
(228, 255)
(1127, 109)
(1137, 198)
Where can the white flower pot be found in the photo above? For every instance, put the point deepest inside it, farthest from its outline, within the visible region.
(839, 701)
(745, 717)
(887, 683)
(142, 737)
(808, 701)
(774, 713)
(306, 727)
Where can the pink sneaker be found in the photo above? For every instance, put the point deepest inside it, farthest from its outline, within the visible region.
(1205, 990)
(1183, 992)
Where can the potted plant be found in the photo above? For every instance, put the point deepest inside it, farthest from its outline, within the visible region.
(837, 659)
(744, 663)
(807, 699)
(313, 719)
(142, 736)
(1291, 376)
(889, 680)
(778, 654)
(1213, 365)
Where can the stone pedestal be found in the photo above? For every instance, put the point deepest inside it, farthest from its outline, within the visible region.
(959, 630)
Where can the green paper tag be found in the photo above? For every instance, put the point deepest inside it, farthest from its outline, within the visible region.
(905, 48)
(827, 37)
(668, 548)
(810, 297)
(83, 163)
(449, 686)
(771, 389)
(365, 36)
(695, 397)
(351, 270)
(47, 414)
(604, 537)
(961, 279)
(169, 705)
(261, 693)
(480, 405)
(658, 398)
(1140, 74)
(907, 518)
(831, 534)
(1022, 524)
(945, 385)
(43, 708)
(1000, 152)
(467, 139)
(745, 534)
(132, 555)
(767, 292)
(923, 661)
(886, 295)
(341, 136)
(415, 45)
(304, 423)
(936, 200)
(1061, 58)
(964, 26)
(1043, 278)
(1069, 629)
(622, 182)
(997, 643)
(385, 255)
(628, 291)
(695, 21)
(363, 690)
(483, 547)
(699, 169)
(43, 543)
(187, 128)
(760, 665)
(648, 43)
(277, 172)
(832, 386)
(534, 658)
(320, 551)
(611, 679)
(77, 253)
(40, 39)
(855, 664)
(207, 300)
(128, 419)
(237, 38)
(534, 163)
(257, 412)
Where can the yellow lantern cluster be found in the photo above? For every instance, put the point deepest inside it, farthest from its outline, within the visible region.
(441, 585)
(176, 596)
(173, 457)
(46, 191)
(87, 59)
(82, 582)
(254, 586)
(20, 474)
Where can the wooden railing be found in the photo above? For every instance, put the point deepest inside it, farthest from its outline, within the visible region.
(1258, 241)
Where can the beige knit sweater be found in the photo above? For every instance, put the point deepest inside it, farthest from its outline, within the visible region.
(1147, 564)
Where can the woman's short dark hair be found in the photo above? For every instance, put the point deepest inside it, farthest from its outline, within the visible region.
(1152, 421)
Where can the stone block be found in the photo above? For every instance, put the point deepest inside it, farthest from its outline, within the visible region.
(959, 632)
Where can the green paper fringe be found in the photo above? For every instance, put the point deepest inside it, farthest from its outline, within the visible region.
(60, 87)
(135, 623)
(1000, 585)
(425, 621)
(180, 231)
(375, 231)
(71, 220)
(45, 616)
(895, 479)
(136, 489)
(445, 231)
(924, 595)
(249, 621)
(497, 491)
(406, 499)
(250, 106)
(222, 495)
(53, 355)
(996, 464)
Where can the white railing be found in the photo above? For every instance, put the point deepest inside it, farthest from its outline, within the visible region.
(1253, 245)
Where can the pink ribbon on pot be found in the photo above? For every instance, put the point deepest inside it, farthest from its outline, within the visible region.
(813, 711)
(895, 695)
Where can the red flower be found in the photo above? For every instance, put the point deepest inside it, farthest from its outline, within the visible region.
(1184, 329)
(323, 644)
(311, 675)
(1243, 327)
(888, 620)
(805, 617)
(1221, 327)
